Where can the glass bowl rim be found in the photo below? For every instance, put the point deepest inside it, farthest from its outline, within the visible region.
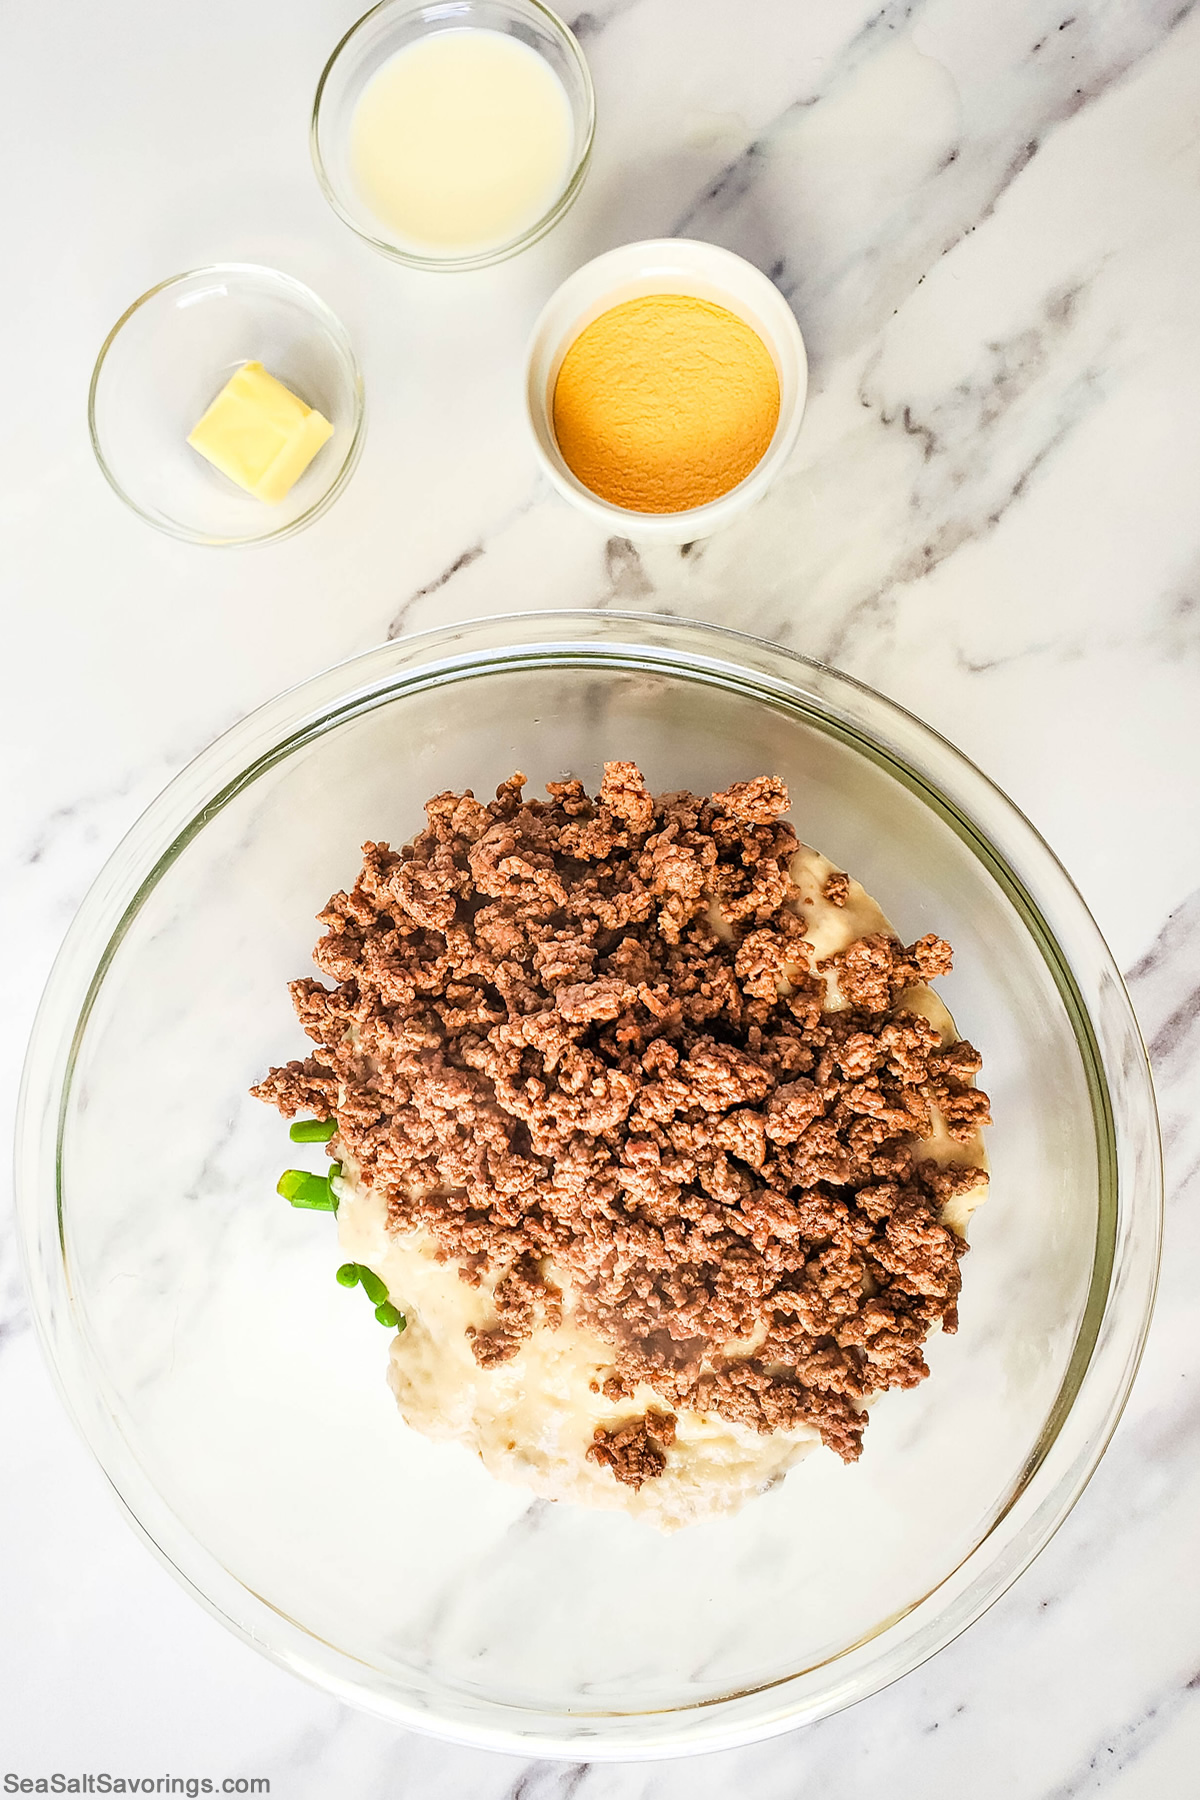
(1075, 1435)
(334, 330)
(482, 259)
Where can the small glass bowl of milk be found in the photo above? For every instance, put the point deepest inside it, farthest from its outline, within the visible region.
(453, 134)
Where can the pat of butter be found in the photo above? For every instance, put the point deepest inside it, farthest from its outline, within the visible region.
(259, 434)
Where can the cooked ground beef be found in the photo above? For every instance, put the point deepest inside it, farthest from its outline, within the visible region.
(540, 1049)
(634, 1449)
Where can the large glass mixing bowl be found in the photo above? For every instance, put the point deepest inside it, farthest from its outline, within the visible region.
(236, 1396)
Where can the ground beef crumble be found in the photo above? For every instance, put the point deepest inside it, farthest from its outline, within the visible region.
(539, 1048)
(837, 888)
(635, 1449)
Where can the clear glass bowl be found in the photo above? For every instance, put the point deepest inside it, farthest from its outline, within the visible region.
(238, 1402)
(386, 29)
(169, 356)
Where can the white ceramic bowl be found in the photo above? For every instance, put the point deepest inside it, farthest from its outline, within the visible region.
(665, 266)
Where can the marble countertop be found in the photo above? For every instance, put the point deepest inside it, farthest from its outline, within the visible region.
(987, 219)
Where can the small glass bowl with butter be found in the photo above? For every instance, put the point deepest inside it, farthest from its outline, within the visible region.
(451, 134)
(226, 406)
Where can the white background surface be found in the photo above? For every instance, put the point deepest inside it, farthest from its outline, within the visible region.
(988, 221)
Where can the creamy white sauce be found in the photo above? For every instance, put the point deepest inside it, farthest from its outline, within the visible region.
(531, 1420)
